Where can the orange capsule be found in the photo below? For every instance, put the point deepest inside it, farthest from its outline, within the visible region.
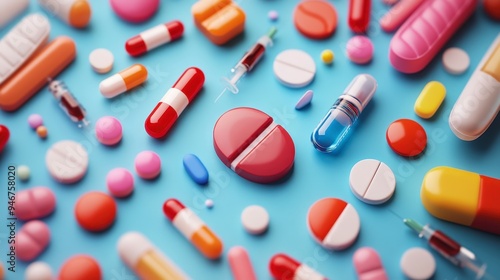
(193, 228)
(125, 80)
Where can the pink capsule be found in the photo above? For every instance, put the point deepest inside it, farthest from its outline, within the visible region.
(34, 203)
(31, 240)
(154, 37)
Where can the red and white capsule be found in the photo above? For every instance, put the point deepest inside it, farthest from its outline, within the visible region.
(282, 267)
(154, 37)
(193, 228)
(170, 107)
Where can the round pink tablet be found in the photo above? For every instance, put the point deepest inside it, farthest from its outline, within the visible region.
(135, 11)
(120, 182)
(147, 165)
(360, 49)
(35, 120)
(108, 130)
(34, 203)
(31, 240)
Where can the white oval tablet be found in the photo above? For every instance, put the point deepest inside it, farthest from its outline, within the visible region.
(372, 181)
(304, 100)
(456, 61)
(418, 263)
(255, 219)
(67, 161)
(38, 271)
(294, 68)
(101, 60)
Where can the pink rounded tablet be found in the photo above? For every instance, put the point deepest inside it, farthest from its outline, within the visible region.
(135, 11)
(368, 264)
(31, 240)
(120, 182)
(360, 49)
(240, 264)
(147, 165)
(35, 120)
(108, 130)
(34, 203)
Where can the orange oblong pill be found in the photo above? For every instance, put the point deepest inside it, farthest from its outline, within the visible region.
(218, 20)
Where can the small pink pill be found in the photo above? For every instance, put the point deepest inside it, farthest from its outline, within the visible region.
(34, 203)
(31, 240)
(147, 165)
(35, 120)
(368, 264)
(360, 49)
(108, 130)
(240, 263)
(120, 182)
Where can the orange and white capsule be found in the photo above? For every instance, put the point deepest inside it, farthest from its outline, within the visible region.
(193, 228)
(154, 37)
(76, 13)
(123, 81)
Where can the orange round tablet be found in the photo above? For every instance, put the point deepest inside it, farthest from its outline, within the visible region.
(406, 137)
(80, 267)
(95, 211)
(492, 8)
(315, 19)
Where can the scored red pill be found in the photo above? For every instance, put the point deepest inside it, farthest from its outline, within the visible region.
(173, 103)
(253, 145)
(154, 37)
(359, 15)
(315, 19)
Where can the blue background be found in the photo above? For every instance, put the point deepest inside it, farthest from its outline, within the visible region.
(315, 175)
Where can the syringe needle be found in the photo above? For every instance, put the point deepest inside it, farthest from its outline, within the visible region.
(220, 95)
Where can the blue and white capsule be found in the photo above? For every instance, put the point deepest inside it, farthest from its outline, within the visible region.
(330, 133)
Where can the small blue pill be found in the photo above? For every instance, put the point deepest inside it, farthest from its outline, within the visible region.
(195, 169)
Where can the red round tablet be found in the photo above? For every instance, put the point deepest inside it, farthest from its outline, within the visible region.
(252, 145)
(406, 137)
(80, 267)
(316, 19)
(95, 211)
(492, 8)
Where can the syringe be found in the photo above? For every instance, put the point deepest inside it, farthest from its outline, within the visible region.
(449, 248)
(68, 103)
(248, 62)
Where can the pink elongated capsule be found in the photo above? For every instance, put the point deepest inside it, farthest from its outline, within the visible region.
(154, 37)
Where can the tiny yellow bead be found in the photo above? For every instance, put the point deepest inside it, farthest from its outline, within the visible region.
(327, 56)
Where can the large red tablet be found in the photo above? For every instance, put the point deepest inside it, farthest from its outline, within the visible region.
(252, 145)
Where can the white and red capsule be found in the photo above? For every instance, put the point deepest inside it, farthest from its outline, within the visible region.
(193, 228)
(170, 107)
(283, 267)
(154, 37)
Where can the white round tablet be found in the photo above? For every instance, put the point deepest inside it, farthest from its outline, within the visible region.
(101, 60)
(255, 219)
(294, 68)
(418, 263)
(456, 61)
(38, 271)
(372, 181)
(67, 161)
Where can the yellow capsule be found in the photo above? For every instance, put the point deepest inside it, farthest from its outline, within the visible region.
(430, 99)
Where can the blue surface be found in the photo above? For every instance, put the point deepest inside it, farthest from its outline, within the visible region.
(315, 175)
